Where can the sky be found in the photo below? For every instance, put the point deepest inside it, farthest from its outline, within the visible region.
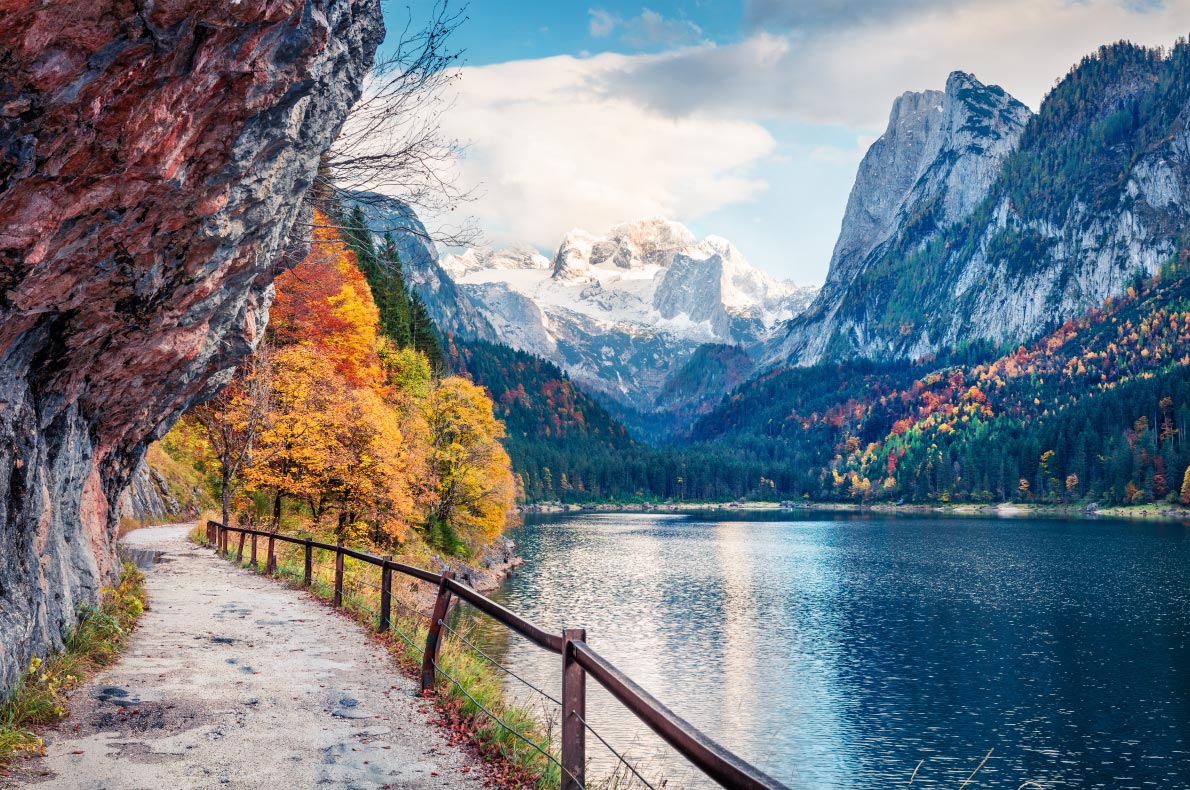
(745, 119)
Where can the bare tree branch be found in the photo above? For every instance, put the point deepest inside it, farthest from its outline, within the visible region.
(393, 151)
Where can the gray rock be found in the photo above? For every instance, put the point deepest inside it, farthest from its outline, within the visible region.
(941, 151)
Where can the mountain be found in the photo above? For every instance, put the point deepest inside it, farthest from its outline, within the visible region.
(932, 166)
(451, 311)
(622, 313)
(1087, 193)
(1097, 410)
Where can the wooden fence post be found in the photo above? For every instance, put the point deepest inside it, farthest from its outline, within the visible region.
(270, 562)
(386, 594)
(240, 551)
(338, 599)
(574, 712)
(254, 551)
(223, 540)
(308, 573)
(210, 533)
(434, 635)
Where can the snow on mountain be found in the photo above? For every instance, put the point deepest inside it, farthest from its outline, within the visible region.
(621, 312)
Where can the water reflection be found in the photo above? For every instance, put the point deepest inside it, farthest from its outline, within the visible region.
(843, 652)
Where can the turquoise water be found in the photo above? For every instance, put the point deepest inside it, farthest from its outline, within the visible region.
(844, 652)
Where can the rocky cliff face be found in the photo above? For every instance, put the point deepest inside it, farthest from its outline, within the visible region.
(153, 160)
(1013, 224)
(147, 499)
(933, 165)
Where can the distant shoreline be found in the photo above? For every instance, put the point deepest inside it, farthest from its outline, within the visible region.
(1151, 512)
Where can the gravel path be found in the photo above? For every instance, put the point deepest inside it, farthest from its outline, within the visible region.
(234, 681)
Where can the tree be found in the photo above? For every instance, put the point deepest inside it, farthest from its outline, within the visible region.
(368, 473)
(1185, 497)
(296, 448)
(234, 419)
(325, 301)
(473, 480)
(392, 151)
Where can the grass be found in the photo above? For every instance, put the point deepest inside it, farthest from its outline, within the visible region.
(40, 695)
(518, 763)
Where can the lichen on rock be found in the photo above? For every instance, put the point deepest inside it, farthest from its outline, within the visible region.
(153, 161)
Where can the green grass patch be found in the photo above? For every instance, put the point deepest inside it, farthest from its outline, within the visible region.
(40, 695)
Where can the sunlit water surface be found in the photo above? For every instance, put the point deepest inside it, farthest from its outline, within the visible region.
(846, 652)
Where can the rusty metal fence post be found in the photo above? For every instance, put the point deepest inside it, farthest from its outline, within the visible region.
(308, 571)
(338, 599)
(386, 594)
(254, 550)
(434, 634)
(240, 550)
(574, 713)
(270, 562)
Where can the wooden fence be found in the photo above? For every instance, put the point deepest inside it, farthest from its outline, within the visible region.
(579, 661)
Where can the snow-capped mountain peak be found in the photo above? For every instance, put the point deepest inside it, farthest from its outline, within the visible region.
(619, 310)
(480, 258)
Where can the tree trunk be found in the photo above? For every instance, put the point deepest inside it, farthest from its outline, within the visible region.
(225, 494)
(277, 513)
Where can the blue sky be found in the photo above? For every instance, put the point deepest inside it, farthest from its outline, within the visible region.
(741, 119)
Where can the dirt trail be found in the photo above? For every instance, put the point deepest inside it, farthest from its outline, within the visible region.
(234, 681)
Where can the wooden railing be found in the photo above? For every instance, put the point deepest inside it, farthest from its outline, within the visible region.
(579, 661)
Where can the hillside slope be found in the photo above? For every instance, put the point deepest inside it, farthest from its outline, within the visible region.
(1097, 410)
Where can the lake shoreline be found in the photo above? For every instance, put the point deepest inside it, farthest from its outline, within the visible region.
(1149, 512)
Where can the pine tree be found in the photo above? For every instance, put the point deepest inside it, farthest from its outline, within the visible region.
(425, 334)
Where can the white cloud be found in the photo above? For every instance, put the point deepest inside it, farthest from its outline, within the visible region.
(850, 74)
(648, 29)
(551, 152)
(601, 23)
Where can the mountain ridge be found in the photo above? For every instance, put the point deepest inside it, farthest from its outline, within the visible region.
(1091, 192)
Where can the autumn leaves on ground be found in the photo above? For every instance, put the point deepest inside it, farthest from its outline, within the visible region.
(339, 429)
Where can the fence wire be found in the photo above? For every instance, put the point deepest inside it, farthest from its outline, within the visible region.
(498, 665)
(612, 749)
(505, 725)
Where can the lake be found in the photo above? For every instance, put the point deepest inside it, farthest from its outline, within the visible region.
(839, 651)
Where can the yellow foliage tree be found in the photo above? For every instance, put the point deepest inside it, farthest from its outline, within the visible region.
(473, 489)
(293, 454)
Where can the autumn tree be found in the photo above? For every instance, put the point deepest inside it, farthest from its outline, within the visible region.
(325, 302)
(296, 450)
(473, 480)
(233, 420)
